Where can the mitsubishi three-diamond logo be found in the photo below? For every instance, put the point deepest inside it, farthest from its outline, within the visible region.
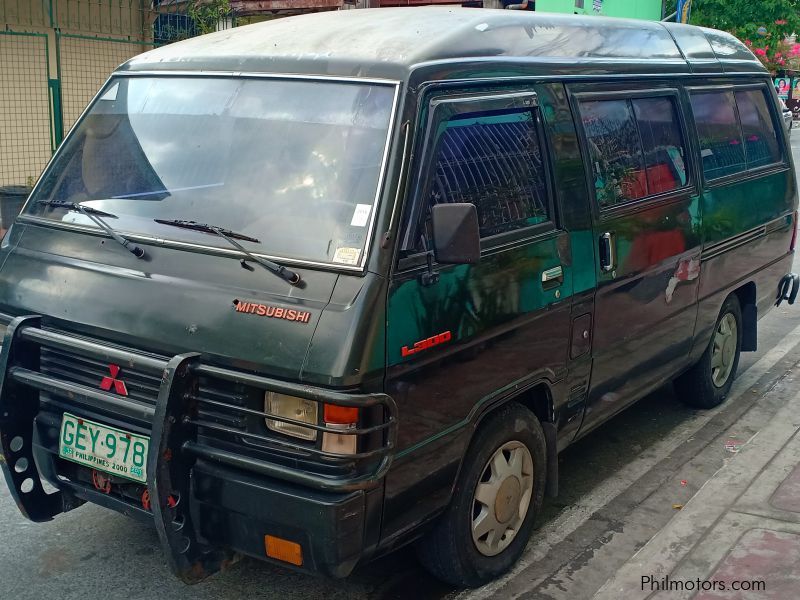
(118, 384)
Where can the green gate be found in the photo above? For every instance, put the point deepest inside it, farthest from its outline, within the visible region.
(27, 128)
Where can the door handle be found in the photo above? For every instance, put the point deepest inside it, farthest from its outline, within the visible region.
(552, 277)
(607, 252)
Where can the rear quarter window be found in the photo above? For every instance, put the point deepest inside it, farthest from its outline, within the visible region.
(721, 148)
(758, 131)
(736, 131)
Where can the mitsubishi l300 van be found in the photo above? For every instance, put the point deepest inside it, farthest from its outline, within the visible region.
(316, 288)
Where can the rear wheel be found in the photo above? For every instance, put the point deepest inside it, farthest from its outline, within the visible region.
(498, 494)
(707, 384)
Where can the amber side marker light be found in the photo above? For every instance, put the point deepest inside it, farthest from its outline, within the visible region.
(284, 550)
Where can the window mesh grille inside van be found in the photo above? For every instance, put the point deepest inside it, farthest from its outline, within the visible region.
(498, 167)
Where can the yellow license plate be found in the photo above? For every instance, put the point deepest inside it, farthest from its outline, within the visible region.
(104, 448)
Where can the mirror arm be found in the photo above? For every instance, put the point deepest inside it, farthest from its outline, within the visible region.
(430, 277)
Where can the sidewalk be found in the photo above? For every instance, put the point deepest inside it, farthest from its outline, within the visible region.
(742, 526)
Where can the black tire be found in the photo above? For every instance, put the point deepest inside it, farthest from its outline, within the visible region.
(697, 387)
(449, 551)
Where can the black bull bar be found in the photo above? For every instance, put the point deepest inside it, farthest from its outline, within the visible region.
(174, 446)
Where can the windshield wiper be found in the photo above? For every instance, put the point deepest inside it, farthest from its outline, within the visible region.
(231, 237)
(94, 215)
(77, 207)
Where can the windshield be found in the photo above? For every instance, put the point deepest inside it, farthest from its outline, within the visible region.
(293, 163)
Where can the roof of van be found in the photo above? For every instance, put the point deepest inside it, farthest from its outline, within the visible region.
(390, 43)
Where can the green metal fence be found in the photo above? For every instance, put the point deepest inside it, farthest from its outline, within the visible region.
(110, 17)
(55, 55)
(26, 128)
(22, 13)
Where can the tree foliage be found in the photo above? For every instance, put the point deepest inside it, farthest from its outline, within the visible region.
(761, 24)
(207, 13)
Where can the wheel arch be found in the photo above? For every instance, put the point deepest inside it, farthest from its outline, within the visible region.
(746, 294)
(538, 399)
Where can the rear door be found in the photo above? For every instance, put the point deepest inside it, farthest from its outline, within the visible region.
(648, 242)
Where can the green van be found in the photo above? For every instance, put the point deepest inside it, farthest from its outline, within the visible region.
(313, 289)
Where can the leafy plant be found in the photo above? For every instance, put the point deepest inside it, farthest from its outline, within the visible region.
(763, 25)
(206, 14)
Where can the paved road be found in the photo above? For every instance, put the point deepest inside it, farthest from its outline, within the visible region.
(617, 489)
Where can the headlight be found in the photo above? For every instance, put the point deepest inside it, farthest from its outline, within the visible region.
(289, 407)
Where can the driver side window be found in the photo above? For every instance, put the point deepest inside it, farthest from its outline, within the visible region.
(492, 159)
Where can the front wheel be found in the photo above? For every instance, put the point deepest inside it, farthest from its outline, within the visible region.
(707, 384)
(498, 494)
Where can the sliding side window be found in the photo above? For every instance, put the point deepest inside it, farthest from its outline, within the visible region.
(662, 140)
(636, 147)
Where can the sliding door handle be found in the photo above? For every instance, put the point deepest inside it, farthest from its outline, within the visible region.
(607, 252)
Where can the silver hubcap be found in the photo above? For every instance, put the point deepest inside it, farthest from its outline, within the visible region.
(724, 351)
(502, 497)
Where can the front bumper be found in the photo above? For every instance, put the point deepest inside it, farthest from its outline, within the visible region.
(328, 527)
(209, 502)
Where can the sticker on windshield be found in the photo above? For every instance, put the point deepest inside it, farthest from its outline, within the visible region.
(361, 215)
(347, 256)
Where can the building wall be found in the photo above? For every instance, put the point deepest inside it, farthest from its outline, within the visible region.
(635, 9)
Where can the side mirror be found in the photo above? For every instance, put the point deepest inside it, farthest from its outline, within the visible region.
(456, 235)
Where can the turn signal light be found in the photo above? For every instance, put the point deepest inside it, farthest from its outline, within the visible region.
(340, 415)
(284, 550)
(344, 418)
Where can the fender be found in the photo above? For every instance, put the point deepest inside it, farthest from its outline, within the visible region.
(482, 410)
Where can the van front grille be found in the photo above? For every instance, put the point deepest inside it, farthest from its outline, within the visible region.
(76, 368)
(143, 387)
